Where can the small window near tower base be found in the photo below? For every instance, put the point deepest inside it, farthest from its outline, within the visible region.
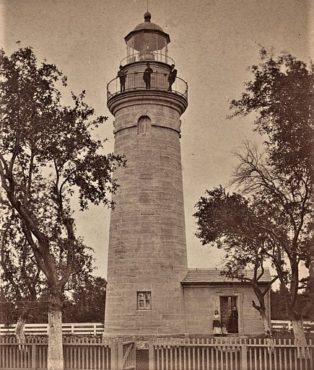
(144, 300)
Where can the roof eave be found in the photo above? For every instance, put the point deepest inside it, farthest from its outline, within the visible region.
(132, 33)
(220, 283)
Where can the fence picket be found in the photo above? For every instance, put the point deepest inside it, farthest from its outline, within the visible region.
(170, 356)
(311, 354)
(264, 354)
(228, 355)
(291, 354)
(295, 360)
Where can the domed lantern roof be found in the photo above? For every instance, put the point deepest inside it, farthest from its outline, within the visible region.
(147, 36)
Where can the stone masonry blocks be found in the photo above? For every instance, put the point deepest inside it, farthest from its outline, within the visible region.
(147, 247)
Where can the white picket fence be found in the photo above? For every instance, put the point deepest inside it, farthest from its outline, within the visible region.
(164, 353)
(280, 325)
(98, 328)
(67, 328)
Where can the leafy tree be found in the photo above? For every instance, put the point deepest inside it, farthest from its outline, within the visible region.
(84, 301)
(279, 308)
(278, 183)
(24, 288)
(236, 225)
(281, 97)
(87, 301)
(278, 305)
(47, 158)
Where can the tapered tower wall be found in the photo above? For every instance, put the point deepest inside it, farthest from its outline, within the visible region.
(147, 247)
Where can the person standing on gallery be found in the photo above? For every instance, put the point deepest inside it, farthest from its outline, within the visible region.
(122, 78)
(217, 324)
(147, 75)
(172, 77)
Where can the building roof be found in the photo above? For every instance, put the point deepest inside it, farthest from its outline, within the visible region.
(147, 24)
(213, 276)
(148, 33)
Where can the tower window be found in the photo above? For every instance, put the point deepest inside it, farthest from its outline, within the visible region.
(143, 125)
(144, 300)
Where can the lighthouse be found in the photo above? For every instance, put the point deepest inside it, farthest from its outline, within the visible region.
(147, 258)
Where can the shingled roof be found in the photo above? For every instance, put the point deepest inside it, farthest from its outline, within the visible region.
(213, 277)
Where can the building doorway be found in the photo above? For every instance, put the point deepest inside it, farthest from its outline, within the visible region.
(229, 314)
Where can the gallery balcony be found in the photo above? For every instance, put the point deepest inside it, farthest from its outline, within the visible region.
(159, 82)
(135, 90)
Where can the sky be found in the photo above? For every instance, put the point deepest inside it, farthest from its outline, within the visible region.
(213, 42)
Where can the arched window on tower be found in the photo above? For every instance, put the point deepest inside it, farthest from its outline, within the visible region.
(143, 125)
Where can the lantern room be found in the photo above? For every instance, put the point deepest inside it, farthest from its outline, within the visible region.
(147, 48)
(147, 42)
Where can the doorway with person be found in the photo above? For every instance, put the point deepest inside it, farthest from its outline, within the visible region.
(229, 314)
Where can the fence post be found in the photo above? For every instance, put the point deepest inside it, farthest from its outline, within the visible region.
(151, 356)
(34, 359)
(243, 364)
(120, 355)
(113, 355)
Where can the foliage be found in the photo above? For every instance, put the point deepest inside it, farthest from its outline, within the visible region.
(271, 216)
(84, 301)
(279, 309)
(281, 96)
(87, 302)
(24, 287)
(48, 157)
(237, 225)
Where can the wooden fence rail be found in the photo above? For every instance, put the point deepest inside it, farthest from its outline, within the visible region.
(93, 328)
(280, 325)
(98, 328)
(187, 353)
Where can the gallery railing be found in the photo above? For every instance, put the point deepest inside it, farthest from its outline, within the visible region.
(147, 56)
(158, 81)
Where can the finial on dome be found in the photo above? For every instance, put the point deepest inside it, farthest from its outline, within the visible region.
(147, 16)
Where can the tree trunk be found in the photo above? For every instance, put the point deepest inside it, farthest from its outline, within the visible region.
(266, 323)
(262, 311)
(299, 336)
(19, 333)
(55, 347)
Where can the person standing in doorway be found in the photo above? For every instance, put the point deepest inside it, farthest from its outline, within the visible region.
(217, 324)
(122, 78)
(147, 75)
(233, 326)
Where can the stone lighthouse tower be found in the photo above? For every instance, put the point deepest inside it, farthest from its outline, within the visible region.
(147, 247)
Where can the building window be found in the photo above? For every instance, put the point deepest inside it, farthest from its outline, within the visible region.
(144, 301)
